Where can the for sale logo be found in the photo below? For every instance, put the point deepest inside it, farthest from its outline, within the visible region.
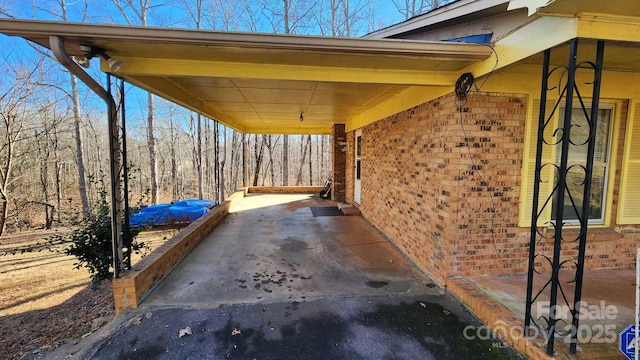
(599, 333)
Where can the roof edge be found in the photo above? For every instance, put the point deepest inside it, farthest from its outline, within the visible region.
(450, 11)
(30, 29)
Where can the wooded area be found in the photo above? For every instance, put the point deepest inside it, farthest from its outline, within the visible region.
(54, 150)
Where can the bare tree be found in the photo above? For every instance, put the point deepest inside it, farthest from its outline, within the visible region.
(129, 11)
(20, 84)
(258, 153)
(75, 99)
(303, 152)
(411, 8)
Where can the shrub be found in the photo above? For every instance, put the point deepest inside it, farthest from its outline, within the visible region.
(91, 243)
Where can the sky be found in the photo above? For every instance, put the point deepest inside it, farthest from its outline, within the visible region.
(172, 12)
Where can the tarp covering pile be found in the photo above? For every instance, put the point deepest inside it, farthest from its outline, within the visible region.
(176, 212)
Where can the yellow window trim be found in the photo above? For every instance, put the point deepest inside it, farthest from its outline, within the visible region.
(524, 219)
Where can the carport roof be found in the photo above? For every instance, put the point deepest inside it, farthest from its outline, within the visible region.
(260, 83)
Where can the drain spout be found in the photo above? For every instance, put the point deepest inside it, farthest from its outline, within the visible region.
(57, 47)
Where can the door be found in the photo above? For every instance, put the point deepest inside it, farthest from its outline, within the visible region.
(357, 183)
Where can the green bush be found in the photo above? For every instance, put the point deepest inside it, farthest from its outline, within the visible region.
(91, 243)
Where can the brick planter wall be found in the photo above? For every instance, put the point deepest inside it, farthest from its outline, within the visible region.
(420, 188)
(135, 284)
(284, 189)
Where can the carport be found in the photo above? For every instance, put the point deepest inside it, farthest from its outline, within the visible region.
(256, 83)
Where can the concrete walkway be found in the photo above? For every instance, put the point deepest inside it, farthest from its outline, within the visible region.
(271, 248)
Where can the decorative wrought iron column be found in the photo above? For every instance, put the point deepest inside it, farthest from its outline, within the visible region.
(570, 190)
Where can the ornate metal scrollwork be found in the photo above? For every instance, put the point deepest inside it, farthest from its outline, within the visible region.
(569, 183)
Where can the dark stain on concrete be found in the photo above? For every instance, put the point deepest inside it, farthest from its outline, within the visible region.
(294, 245)
(376, 284)
(435, 328)
(310, 338)
(145, 351)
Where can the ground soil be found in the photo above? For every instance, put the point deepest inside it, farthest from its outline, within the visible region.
(45, 301)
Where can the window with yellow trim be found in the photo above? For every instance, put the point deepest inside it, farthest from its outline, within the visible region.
(577, 161)
(600, 204)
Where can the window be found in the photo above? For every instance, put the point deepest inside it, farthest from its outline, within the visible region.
(577, 159)
(601, 201)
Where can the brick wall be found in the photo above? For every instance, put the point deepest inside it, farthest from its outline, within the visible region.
(339, 141)
(136, 283)
(420, 188)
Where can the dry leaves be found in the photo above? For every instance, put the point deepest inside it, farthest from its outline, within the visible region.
(184, 332)
(236, 332)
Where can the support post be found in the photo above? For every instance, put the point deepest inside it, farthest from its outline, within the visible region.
(58, 48)
(125, 181)
(564, 199)
(338, 182)
(116, 193)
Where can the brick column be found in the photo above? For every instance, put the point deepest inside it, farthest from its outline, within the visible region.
(339, 138)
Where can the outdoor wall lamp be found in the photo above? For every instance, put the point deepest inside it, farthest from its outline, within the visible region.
(301, 116)
(91, 52)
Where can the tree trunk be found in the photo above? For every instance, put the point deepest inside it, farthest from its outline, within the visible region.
(233, 177)
(222, 165)
(258, 155)
(4, 208)
(302, 161)
(44, 152)
(322, 165)
(77, 122)
(245, 161)
(151, 140)
(199, 156)
(310, 163)
(285, 161)
(270, 146)
(172, 154)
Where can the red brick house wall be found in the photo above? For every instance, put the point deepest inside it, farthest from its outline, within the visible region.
(421, 189)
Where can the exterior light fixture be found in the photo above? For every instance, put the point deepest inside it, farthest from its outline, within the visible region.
(301, 116)
(114, 64)
(91, 52)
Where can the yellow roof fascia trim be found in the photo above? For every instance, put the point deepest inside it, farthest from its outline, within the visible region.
(609, 27)
(181, 67)
(541, 34)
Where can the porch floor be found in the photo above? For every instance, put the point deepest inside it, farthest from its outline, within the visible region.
(603, 290)
(271, 248)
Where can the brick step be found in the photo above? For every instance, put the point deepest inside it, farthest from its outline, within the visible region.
(349, 210)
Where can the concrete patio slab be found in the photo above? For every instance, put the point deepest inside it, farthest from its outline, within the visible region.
(271, 248)
(608, 306)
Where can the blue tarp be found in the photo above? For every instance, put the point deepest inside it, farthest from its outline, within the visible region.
(177, 212)
(474, 39)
